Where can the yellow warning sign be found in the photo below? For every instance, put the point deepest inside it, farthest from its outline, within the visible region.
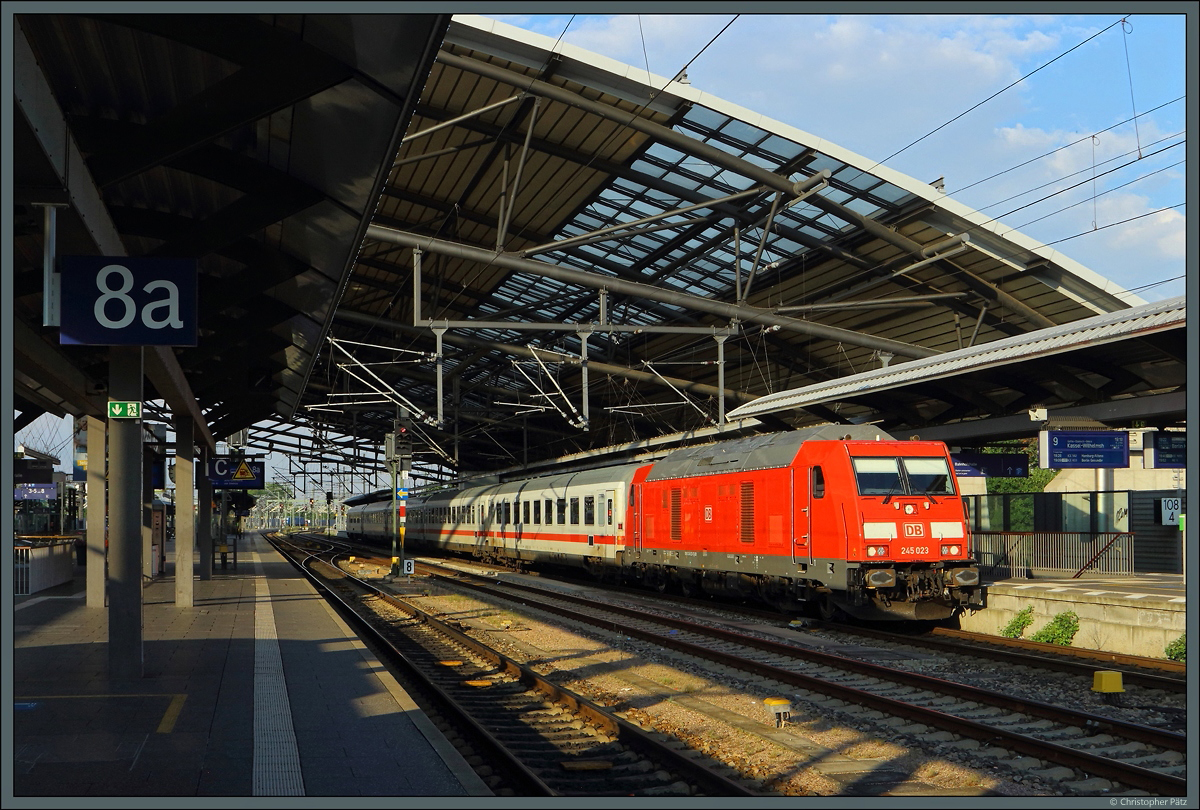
(243, 473)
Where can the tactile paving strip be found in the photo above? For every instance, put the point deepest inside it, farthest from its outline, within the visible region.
(276, 756)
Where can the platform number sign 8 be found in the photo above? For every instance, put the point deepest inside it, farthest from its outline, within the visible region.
(1170, 511)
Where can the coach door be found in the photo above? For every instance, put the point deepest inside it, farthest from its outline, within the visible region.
(607, 519)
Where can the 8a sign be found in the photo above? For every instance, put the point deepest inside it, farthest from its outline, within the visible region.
(118, 301)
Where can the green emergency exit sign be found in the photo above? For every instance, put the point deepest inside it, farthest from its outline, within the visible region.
(124, 410)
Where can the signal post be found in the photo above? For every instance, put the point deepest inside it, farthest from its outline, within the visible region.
(398, 451)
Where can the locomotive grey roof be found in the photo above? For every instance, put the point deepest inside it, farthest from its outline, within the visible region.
(765, 452)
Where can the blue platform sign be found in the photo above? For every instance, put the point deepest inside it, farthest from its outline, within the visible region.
(119, 301)
(1087, 449)
(990, 465)
(35, 492)
(1170, 450)
(227, 472)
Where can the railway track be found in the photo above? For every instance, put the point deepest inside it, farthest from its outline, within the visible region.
(1151, 673)
(524, 734)
(1085, 752)
(1136, 670)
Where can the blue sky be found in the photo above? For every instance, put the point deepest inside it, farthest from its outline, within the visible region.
(875, 84)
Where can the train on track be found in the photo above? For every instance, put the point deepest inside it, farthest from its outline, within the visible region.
(818, 520)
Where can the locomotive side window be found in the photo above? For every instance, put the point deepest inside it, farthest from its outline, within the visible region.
(928, 476)
(574, 511)
(878, 476)
(818, 483)
(589, 510)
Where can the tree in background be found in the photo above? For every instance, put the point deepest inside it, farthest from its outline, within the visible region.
(1020, 515)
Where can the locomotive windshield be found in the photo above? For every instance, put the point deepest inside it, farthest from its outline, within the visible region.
(928, 476)
(903, 476)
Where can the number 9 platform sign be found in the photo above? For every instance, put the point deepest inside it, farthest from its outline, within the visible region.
(119, 301)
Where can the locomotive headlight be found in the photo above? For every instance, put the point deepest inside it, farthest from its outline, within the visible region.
(877, 551)
(951, 551)
(870, 551)
(909, 509)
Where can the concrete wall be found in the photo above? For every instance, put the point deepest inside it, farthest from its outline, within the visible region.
(1137, 627)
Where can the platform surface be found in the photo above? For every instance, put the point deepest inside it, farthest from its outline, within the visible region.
(258, 689)
(1169, 590)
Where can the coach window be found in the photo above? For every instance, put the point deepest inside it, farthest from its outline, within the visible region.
(562, 511)
(574, 511)
(589, 510)
(537, 512)
(525, 511)
(818, 483)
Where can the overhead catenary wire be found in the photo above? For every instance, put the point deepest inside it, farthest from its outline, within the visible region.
(1052, 152)
(993, 95)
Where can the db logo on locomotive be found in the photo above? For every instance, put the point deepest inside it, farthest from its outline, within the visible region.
(914, 530)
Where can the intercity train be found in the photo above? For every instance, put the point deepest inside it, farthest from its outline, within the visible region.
(820, 521)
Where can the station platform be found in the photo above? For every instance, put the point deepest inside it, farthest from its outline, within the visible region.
(259, 689)
(1137, 614)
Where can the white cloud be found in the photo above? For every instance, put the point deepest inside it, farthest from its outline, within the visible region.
(875, 84)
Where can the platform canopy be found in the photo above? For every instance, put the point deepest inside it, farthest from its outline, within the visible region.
(562, 253)
(255, 144)
(564, 204)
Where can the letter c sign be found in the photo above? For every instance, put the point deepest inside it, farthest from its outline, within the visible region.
(119, 301)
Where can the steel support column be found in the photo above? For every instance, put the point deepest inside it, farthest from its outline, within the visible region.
(125, 518)
(185, 511)
(204, 494)
(97, 511)
(147, 500)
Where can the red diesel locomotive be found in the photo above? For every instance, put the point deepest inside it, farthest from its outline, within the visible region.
(821, 519)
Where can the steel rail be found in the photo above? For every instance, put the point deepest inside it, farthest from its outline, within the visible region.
(1126, 659)
(1132, 775)
(628, 734)
(978, 644)
(520, 775)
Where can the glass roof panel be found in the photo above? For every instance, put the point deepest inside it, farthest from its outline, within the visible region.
(782, 147)
(864, 207)
(700, 117)
(823, 161)
(890, 193)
